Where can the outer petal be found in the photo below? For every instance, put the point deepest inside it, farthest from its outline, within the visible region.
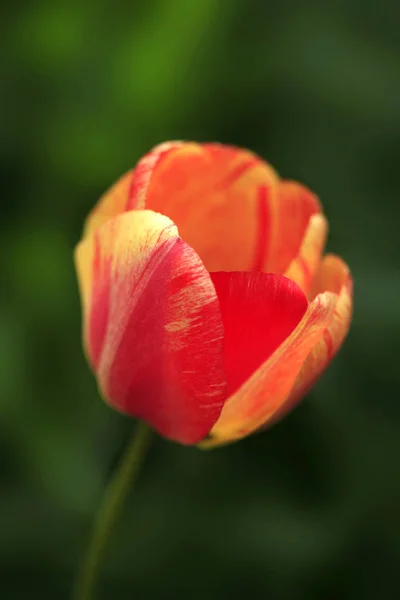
(304, 267)
(262, 396)
(152, 325)
(334, 276)
(220, 198)
(132, 184)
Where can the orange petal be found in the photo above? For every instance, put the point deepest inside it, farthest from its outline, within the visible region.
(292, 210)
(152, 324)
(227, 202)
(334, 276)
(132, 184)
(304, 267)
(262, 396)
(220, 197)
(110, 204)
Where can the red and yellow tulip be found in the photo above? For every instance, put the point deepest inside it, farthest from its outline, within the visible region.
(208, 307)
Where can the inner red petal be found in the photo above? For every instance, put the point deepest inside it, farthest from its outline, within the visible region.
(259, 311)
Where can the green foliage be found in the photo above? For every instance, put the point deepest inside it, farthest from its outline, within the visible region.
(305, 511)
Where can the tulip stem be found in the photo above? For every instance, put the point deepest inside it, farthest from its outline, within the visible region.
(114, 497)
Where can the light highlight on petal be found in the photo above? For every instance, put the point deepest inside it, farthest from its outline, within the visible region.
(304, 267)
(112, 203)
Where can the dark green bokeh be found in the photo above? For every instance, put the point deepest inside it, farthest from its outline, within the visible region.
(308, 510)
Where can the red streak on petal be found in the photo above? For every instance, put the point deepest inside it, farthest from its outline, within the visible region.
(259, 311)
(263, 228)
(142, 175)
(329, 344)
(235, 174)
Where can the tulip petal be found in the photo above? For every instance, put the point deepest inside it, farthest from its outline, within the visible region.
(112, 203)
(295, 204)
(334, 276)
(262, 396)
(153, 328)
(220, 197)
(305, 265)
(259, 311)
(129, 191)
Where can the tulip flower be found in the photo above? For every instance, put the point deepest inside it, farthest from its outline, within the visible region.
(209, 309)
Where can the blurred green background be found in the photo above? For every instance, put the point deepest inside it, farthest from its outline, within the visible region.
(307, 510)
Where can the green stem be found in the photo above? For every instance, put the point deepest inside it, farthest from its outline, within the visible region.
(114, 497)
